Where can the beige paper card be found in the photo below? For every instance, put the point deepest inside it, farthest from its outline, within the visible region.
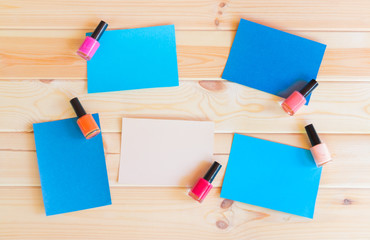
(165, 152)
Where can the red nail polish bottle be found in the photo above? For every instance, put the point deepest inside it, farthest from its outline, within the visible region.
(203, 186)
(297, 99)
(86, 122)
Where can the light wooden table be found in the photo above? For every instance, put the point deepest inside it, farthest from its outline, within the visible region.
(40, 72)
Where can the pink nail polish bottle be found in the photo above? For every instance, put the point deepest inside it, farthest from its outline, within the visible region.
(297, 99)
(319, 150)
(204, 185)
(91, 44)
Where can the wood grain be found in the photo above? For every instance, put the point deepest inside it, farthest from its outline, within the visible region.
(50, 54)
(167, 213)
(193, 14)
(338, 107)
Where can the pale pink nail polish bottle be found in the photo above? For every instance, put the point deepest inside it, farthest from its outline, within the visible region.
(91, 43)
(319, 150)
(297, 99)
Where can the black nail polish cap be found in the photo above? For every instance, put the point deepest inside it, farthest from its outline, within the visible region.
(310, 86)
(212, 172)
(80, 111)
(312, 135)
(99, 30)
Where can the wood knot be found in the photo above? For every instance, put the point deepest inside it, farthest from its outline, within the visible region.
(212, 85)
(347, 201)
(46, 81)
(222, 4)
(226, 203)
(219, 12)
(222, 224)
(217, 22)
(367, 109)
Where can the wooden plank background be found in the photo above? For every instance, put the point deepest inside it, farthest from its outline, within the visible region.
(39, 73)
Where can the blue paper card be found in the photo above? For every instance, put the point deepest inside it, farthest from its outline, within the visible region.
(134, 59)
(72, 169)
(271, 60)
(271, 175)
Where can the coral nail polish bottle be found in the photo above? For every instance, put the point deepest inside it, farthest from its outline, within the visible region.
(204, 185)
(297, 99)
(319, 150)
(91, 44)
(86, 122)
